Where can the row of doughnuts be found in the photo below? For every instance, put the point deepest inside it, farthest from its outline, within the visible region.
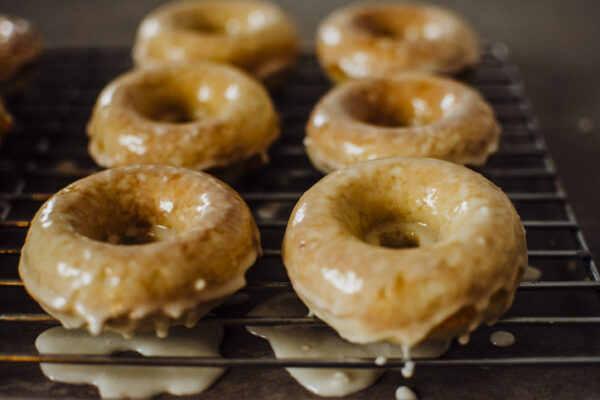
(390, 114)
(199, 115)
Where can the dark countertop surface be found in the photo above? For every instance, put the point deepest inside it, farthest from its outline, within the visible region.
(555, 45)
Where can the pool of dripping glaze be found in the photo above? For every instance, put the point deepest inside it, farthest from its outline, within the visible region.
(323, 342)
(117, 381)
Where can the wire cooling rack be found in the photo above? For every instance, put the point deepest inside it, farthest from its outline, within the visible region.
(556, 320)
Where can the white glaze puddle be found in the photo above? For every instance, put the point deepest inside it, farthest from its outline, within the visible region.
(116, 381)
(531, 274)
(324, 342)
(502, 339)
(405, 393)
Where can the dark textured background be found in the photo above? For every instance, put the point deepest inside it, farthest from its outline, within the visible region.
(555, 43)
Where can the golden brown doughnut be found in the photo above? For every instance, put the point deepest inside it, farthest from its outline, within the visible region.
(195, 116)
(368, 40)
(5, 119)
(410, 114)
(256, 36)
(140, 247)
(20, 49)
(405, 249)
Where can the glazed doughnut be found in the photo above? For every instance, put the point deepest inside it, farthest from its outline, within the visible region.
(369, 40)
(254, 35)
(138, 248)
(20, 49)
(5, 119)
(195, 116)
(410, 114)
(405, 249)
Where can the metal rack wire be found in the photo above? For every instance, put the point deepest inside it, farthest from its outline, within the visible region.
(47, 150)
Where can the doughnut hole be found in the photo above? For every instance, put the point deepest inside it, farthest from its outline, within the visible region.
(398, 24)
(385, 217)
(166, 98)
(399, 103)
(111, 215)
(216, 18)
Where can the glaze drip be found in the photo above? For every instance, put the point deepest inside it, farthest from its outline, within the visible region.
(116, 381)
(323, 342)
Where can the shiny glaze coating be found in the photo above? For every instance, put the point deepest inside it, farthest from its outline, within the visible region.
(196, 116)
(91, 261)
(20, 47)
(368, 40)
(5, 119)
(409, 114)
(256, 36)
(372, 293)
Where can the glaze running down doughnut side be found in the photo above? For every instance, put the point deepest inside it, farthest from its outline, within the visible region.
(405, 249)
(195, 116)
(256, 36)
(376, 40)
(410, 114)
(138, 248)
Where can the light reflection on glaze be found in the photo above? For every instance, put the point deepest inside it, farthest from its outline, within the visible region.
(299, 214)
(330, 35)
(166, 206)
(462, 207)
(256, 18)
(347, 282)
(232, 92)
(6, 29)
(204, 93)
(107, 95)
(353, 149)
(46, 212)
(447, 101)
(419, 105)
(133, 143)
(202, 208)
(431, 199)
(323, 342)
(150, 28)
(320, 119)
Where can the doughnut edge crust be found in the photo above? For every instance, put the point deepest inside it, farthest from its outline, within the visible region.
(244, 123)
(467, 133)
(370, 293)
(265, 51)
(346, 51)
(20, 50)
(95, 284)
